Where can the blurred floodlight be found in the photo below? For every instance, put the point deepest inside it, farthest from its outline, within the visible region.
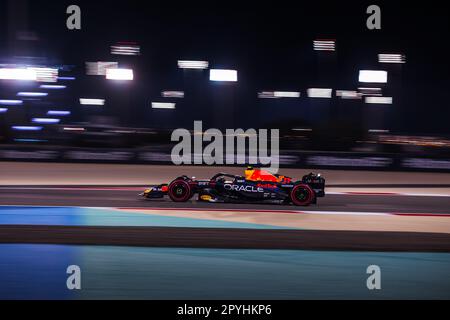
(92, 102)
(378, 131)
(278, 94)
(74, 129)
(119, 74)
(32, 94)
(26, 128)
(126, 49)
(373, 76)
(3, 110)
(319, 92)
(99, 68)
(172, 94)
(18, 74)
(379, 100)
(192, 64)
(324, 45)
(367, 91)
(223, 75)
(11, 102)
(286, 94)
(58, 113)
(45, 120)
(46, 74)
(52, 86)
(391, 58)
(348, 94)
(66, 78)
(163, 105)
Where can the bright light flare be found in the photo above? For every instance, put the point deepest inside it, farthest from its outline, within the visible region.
(18, 74)
(223, 75)
(373, 76)
(119, 74)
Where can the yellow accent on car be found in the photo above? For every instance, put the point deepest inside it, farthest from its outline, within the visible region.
(205, 197)
(148, 191)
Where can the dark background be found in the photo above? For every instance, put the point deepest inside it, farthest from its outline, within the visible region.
(268, 42)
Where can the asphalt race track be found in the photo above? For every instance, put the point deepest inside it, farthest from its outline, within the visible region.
(123, 197)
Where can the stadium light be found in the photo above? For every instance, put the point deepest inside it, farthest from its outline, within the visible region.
(391, 58)
(223, 75)
(324, 45)
(172, 94)
(52, 86)
(46, 74)
(92, 102)
(32, 94)
(17, 74)
(26, 128)
(58, 113)
(3, 110)
(373, 76)
(193, 64)
(11, 102)
(99, 68)
(126, 49)
(320, 92)
(278, 94)
(67, 78)
(163, 105)
(45, 120)
(119, 74)
(348, 94)
(379, 100)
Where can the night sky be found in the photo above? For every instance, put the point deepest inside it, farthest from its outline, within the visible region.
(268, 42)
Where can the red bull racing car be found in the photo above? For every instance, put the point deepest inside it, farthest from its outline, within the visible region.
(256, 186)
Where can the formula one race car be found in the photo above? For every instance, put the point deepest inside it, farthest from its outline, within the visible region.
(257, 186)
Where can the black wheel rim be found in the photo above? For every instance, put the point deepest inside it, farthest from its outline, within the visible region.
(301, 194)
(179, 190)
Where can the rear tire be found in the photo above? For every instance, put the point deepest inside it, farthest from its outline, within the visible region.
(302, 195)
(180, 191)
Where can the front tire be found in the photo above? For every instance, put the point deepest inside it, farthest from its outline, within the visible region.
(302, 195)
(180, 191)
